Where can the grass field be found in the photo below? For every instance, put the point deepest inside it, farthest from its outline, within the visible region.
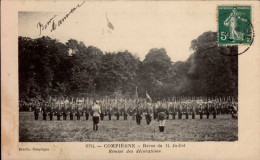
(224, 128)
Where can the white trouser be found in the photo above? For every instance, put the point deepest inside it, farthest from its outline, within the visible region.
(161, 122)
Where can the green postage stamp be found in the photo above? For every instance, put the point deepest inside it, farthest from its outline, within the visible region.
(234, 25)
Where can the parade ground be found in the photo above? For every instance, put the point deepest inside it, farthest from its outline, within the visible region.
(224, 128)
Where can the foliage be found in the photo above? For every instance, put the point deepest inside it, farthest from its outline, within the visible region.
(50, 68)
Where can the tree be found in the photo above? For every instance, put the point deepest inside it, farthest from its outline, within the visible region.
(153, 71)
(213, 73)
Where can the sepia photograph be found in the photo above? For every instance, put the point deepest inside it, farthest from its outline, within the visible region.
(106, 73)
(130, 79)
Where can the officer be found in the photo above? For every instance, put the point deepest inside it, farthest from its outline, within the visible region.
(138, 116)
(96, 113)
(161, 118)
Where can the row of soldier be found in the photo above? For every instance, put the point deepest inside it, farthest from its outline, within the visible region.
(135, 108)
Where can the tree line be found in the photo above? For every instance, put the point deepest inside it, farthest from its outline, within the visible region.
(48, 67)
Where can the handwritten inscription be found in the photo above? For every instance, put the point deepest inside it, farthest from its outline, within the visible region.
(45, 26)
(52, 24)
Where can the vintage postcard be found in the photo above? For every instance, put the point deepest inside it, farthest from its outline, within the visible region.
(130, 79)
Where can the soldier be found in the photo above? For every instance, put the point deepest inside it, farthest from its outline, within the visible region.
(214, 110)
(193, 110)
(71, 110)
(117, 114)
(138, 116)
(186, 111)
(161, 118)
(96, 113)
(155, 111)
(102, 112)
(36, 111)
(167, 112)
(148, 113)
(44, 112)
(165, 105)
(109, 113)
(234, 110)
(116, 109)
(207, 110)
(173, 111)
(77, 113)
(200, 109)
(51, 112)
(180, 110)
(58, 112)
(86, 111)
(64, 111)
(125, 113)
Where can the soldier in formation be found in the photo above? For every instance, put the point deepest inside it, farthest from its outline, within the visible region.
(176, 108)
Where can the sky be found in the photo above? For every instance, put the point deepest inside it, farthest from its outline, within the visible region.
(138, 26)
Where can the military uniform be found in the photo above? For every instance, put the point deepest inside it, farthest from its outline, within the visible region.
(155, 111)
(161, 118)
(109, 113)
(102, 113)
(214, 111)
(44, 113)
(64, 112)
(71, 111)
(201, 112)
(96, 113)
(36, 112)
(180, 111)
(117, 115)
(148, 114)
(58, 113)
(207, 111)
(86, 110)
(186, 111)
(193, 111)
(173, 112)
(138, 117)
(78, 113)
(125, 113)
(51, 112)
